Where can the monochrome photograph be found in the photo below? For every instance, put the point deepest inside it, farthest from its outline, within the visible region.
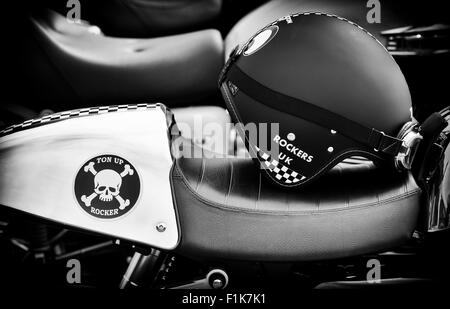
(225, 152)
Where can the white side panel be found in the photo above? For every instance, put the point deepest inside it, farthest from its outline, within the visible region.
(38, 167)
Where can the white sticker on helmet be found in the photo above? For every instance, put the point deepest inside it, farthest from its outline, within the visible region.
(260, 40)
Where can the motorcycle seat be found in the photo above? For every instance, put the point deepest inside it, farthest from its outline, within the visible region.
(94, 68)
(227, 209)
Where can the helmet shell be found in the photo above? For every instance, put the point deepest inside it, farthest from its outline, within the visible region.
(331, 63)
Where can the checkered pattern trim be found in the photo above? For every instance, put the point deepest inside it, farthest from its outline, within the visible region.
(32, 123)
(280, 171)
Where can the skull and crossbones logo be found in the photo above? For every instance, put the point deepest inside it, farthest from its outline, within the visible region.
(107, 185)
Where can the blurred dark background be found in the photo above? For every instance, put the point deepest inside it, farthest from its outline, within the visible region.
(35, 80)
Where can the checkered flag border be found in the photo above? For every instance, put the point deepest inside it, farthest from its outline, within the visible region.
(280, 171)
(73, 114)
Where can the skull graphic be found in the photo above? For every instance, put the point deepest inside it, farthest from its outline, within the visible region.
(107, 184)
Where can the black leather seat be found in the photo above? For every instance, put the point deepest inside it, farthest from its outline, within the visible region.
(68, 62)
(228, 210)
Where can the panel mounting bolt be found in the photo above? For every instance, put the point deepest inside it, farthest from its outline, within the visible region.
(161, 227)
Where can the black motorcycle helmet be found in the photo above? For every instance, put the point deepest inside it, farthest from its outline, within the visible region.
(331, 87)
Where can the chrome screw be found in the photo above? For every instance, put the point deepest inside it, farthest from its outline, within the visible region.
(161, 227)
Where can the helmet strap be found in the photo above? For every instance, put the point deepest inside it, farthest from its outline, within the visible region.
(374, 139)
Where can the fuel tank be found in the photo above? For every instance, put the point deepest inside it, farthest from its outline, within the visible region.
(104, 170)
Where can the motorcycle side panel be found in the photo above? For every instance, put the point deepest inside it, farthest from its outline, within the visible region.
(45, 169)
